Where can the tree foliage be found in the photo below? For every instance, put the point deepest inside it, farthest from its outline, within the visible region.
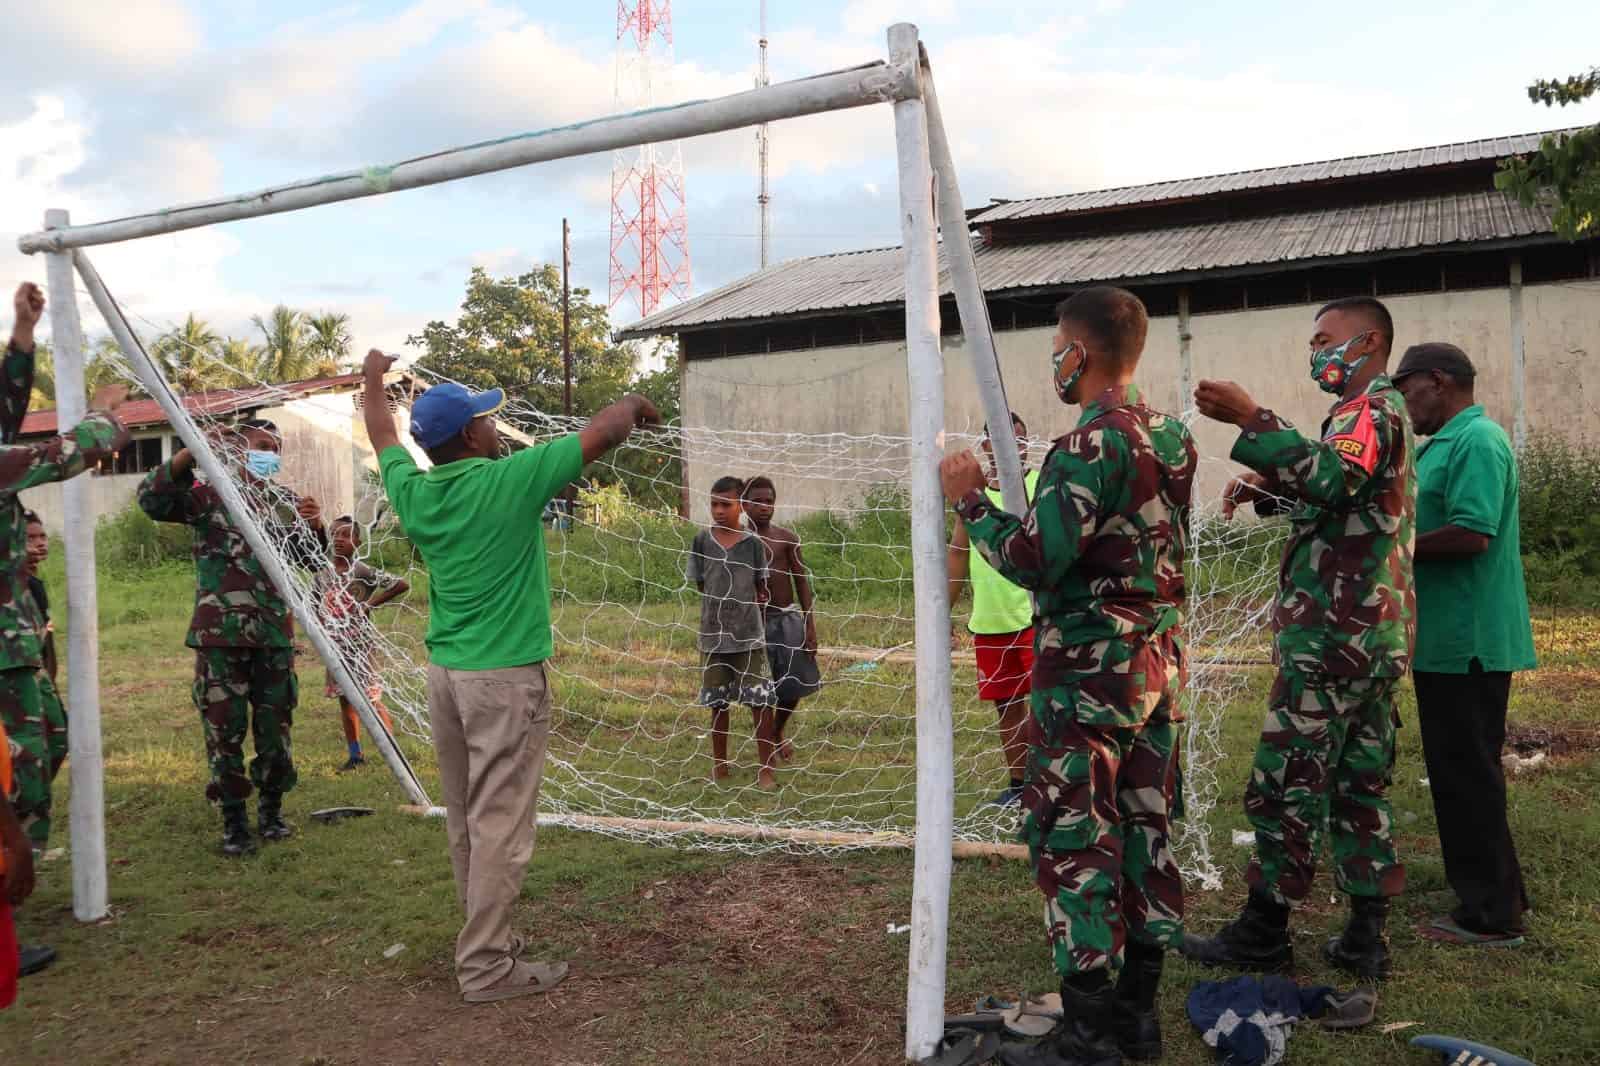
(1566, 167)
(508, 336)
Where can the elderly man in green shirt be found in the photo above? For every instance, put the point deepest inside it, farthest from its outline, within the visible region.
(475, 518)
(1473, 632)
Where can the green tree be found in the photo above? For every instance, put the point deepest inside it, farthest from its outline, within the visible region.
(1566, 166)
(508, 336)
(43, 397)
(329, 341)
(188, 356)
(286, 352)
(650, 465)
(240, 362)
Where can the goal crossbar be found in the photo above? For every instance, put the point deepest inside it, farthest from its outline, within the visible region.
(870, 83)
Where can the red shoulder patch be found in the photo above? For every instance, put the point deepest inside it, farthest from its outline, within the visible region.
(1356, 441)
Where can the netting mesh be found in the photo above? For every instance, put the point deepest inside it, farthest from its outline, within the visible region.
(629, 749)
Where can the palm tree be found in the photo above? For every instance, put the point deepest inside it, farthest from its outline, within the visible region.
(108, 367)
(242, 358)
(189, 356)
(329, 342)
(286, 355)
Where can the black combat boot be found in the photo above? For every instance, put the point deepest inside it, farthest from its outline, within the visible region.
(1362, 950)
(269, 817)
(1134, 1018)
(1083, 1036)
(236, 838)
(1256, 940)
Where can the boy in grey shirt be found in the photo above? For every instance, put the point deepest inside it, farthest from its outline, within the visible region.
(729, 567)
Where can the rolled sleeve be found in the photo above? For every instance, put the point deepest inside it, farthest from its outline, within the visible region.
(1475, 491)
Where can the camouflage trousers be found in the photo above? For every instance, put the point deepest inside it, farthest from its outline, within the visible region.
(1323, 764)
(36, 724)
(230, 684)
(1096, 813)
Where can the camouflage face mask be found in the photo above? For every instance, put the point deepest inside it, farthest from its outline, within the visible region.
(1064, 388)
(1329, 368)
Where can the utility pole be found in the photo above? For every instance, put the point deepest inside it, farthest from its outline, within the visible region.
(763, 196)
(566, 318)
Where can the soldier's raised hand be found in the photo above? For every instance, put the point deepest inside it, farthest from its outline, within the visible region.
(960, 474)
(29, 303)
(1224, 401)
(109, 397)
(310, 510)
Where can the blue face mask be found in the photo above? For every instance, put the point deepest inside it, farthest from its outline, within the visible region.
(262, 464)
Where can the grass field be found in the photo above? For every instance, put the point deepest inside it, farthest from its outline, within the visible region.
(687, 957)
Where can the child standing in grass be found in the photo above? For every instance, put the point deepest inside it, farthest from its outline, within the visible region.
(729, 567)
(347, 593)
(791, 626)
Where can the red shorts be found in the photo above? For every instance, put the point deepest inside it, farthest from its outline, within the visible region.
(1005, 664)
(8, 957)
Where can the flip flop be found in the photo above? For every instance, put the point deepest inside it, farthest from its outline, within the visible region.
(1446, 930)
(1034, 1017)
(964, 1048)
(329, 815)
(1349, 1011)
(993, 1004)
(984, 1022)
(1454, 1051)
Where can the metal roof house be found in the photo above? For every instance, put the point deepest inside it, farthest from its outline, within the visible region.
(1231, 267)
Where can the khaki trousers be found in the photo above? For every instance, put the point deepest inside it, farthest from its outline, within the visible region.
(490, 729)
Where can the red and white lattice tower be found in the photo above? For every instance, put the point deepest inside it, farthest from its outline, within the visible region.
(649, 223)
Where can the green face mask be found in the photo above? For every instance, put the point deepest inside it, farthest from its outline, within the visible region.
(1064, 388)
(1329, 368)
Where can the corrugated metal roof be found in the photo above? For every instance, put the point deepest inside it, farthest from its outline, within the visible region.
(1299, 173)
(876, 278)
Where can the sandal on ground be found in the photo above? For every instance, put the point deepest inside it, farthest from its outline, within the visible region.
(525, 979)
(1349, 1010)
(1034, 1017)
(1446, 930)
(964, 1048)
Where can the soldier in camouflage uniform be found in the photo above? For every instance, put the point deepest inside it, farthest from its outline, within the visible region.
(1103, 550)
(22, 629)
(241, 631)
(1344, 622)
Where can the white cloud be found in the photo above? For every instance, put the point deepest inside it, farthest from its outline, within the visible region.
(121, 36)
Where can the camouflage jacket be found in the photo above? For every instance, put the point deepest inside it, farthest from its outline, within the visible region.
(1103, 550)
(23, 466)
(1345, 603)
(16, 389)
(235, 603)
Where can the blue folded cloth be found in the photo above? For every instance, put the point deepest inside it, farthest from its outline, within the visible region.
(1249, 1019)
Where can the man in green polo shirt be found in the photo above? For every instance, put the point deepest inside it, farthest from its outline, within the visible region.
(1472, 634)
(475, 518)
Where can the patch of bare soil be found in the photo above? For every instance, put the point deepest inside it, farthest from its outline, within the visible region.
(671, 982)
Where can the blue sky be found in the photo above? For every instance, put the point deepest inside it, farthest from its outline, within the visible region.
(126, 106)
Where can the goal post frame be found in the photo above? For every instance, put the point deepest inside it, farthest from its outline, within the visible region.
(928, 195)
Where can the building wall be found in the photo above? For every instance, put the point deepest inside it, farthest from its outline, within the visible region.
(108, 493)
(860, 390)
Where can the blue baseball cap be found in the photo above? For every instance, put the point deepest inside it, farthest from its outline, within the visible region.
(444, 410)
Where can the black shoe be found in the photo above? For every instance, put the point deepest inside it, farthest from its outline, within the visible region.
(31, 958)
(1256, 940)
(355, 762)
(269, 818)
(1362, 950)
(1134, 1019)
(1083, 1036)
(236, 838)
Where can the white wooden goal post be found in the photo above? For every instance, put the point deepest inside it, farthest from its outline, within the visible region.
(930, 199)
